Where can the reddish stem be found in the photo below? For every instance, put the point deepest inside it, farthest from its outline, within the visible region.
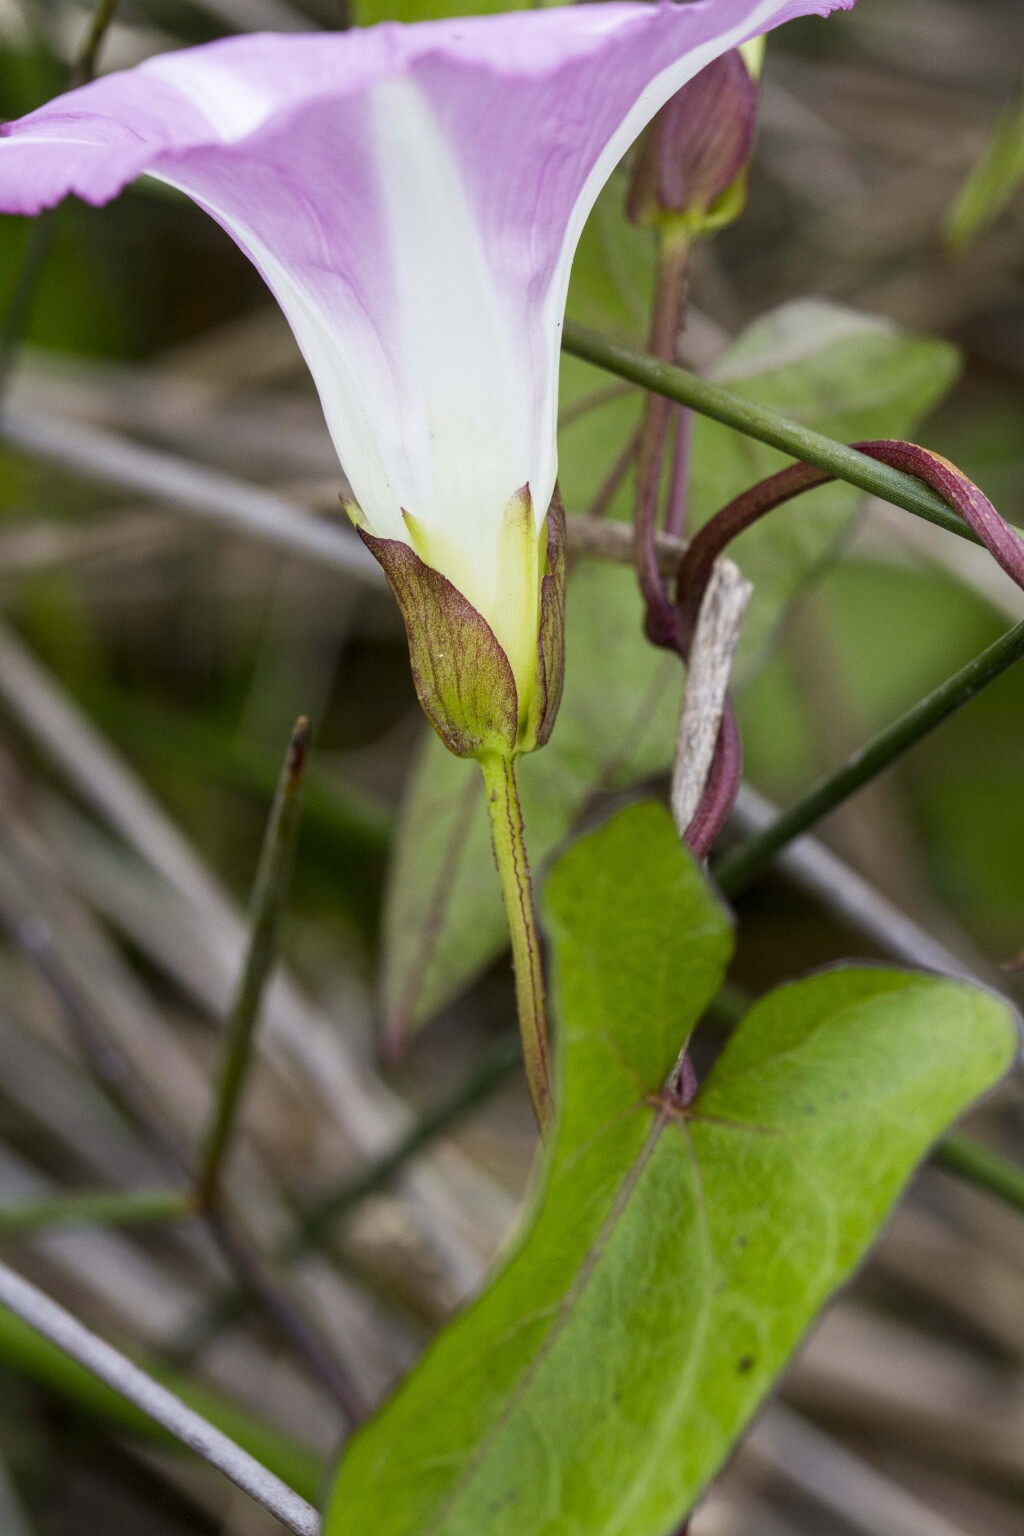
(670, 304)
(706, 546)
(998, 537)
(679, 487)
(724, 778)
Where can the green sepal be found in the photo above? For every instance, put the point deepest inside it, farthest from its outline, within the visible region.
(542, 708)
(463, 678)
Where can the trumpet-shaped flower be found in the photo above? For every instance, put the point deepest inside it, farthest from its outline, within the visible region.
(413, 196)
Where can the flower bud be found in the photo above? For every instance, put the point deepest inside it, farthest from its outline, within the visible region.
(692, 167)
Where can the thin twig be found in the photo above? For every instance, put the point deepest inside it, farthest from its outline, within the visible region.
(83, 67)
(95, 1208)
(666, 323)
(592, 535)
(742, 864)
(108, 1365)
(271, 888)
(707, 683)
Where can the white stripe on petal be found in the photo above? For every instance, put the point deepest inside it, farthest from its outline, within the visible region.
(233, 105)
(467, 438)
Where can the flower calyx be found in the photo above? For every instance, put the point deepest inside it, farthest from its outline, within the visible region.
(483, 695)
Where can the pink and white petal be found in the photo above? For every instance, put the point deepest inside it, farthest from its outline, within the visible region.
(413, 196)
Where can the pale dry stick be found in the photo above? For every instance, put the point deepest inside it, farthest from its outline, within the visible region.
(726, 1513)
(118, 543)
(88, 1019)
(40, 1080)
(707, 682)
(369, 1115)
(108, 1365)
(842, 1483)
(103, 1267)
(207, 494)
(819, 873)
(957, 1271)
(37, 878)
(615, 542)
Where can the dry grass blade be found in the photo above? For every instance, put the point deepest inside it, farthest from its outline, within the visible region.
(843, 1484)
(934, 1400)
(371, 1116)
(216, 498)
(814, 869)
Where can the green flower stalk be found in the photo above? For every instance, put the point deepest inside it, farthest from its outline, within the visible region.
(493, 701)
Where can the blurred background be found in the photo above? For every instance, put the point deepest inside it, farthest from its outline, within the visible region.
(160, 632)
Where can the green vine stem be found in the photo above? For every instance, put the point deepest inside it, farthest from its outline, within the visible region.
(272, 880)
(104, 1208)
(744, 863)
(975, 1164)
(517, 890)
(766, 426)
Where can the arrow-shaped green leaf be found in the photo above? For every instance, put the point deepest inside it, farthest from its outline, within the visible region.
(678, 1254)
